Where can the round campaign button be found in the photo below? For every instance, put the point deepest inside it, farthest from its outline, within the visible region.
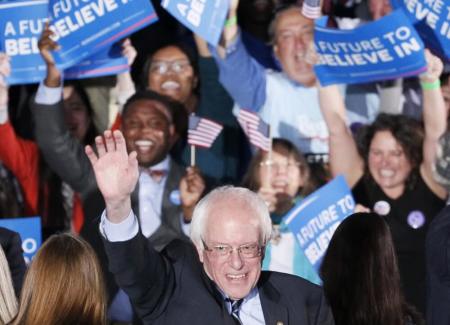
(175, 197)
(382, 208)
(416, 219)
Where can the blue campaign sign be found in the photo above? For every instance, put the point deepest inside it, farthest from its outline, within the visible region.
(108, 61)
(30, 233)
(385, 49)
(314, 219)
(82, 28)
(432, 20)
(21, 25)
(203, 17)
(20, 34)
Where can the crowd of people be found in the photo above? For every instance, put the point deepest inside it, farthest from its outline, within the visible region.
(134, 233)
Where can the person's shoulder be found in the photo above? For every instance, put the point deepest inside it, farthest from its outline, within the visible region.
(7, 236)
(178, 249)
(288, 283)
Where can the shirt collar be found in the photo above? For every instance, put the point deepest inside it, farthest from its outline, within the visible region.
(162, 165)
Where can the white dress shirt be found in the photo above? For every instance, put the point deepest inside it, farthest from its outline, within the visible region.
(150, 198)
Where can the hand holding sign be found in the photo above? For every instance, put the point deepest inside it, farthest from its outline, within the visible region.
(5, 70)
(434, 68)
(129, 51)
(46, 46)
(379, 8)
(230, 30)
(203, 17)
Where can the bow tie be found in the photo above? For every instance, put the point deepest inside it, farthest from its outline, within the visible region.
(156, 174)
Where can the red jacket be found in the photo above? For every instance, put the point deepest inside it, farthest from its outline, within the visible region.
(22, 157)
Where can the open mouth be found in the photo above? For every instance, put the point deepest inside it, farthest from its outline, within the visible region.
(386, 172)
(143, 145)
(170, 85)
(237, 277)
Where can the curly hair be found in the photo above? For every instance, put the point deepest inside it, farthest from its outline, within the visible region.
(407, 131)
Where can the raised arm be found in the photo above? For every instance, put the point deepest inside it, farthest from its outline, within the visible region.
(20, 156)
(344, 156)
(62, 151)
(125, 87)
(240, 74)
(215, 102)
(434, 118)
(139, 270)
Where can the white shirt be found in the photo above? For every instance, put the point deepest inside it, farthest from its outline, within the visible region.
(150, 198)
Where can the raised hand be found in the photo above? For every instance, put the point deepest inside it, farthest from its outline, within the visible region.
(233, 6)
(192, 186)
(5, 70)
(231, 31)
(379, 8)
(116, 173)
(46, 45)
(129, 51)
(434, 68)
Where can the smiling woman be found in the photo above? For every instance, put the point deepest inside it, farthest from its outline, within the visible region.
(172, 71)
(390, 172)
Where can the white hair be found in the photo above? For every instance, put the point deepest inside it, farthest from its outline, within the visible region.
(232, 194)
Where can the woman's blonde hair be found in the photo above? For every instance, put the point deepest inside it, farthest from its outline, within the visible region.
(63, 285)
(8, 301)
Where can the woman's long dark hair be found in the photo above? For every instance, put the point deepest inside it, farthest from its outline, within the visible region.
(360, 274)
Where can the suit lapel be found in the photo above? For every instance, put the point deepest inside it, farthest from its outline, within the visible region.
(135, 201)
(275, 313)
(169, 210)
(218, 297)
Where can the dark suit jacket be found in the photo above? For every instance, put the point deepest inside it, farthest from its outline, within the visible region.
(172, 288)
(438, 269)
(66, 156)
(12, 246)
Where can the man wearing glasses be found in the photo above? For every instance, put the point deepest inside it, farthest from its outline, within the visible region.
(220, 284)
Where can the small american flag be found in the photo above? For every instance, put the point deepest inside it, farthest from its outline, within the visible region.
(202, 131)
(255, 128)
(312, 9)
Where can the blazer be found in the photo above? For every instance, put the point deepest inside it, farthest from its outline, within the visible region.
(172, 288)
(67, 158)
(438, 269)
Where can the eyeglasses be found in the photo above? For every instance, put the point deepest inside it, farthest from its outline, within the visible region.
(163, 67)
(246, 251)
(278, 165)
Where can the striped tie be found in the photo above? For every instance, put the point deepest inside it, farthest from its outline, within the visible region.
(235, 305)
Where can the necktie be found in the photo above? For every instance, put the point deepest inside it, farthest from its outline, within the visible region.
(235, 305)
